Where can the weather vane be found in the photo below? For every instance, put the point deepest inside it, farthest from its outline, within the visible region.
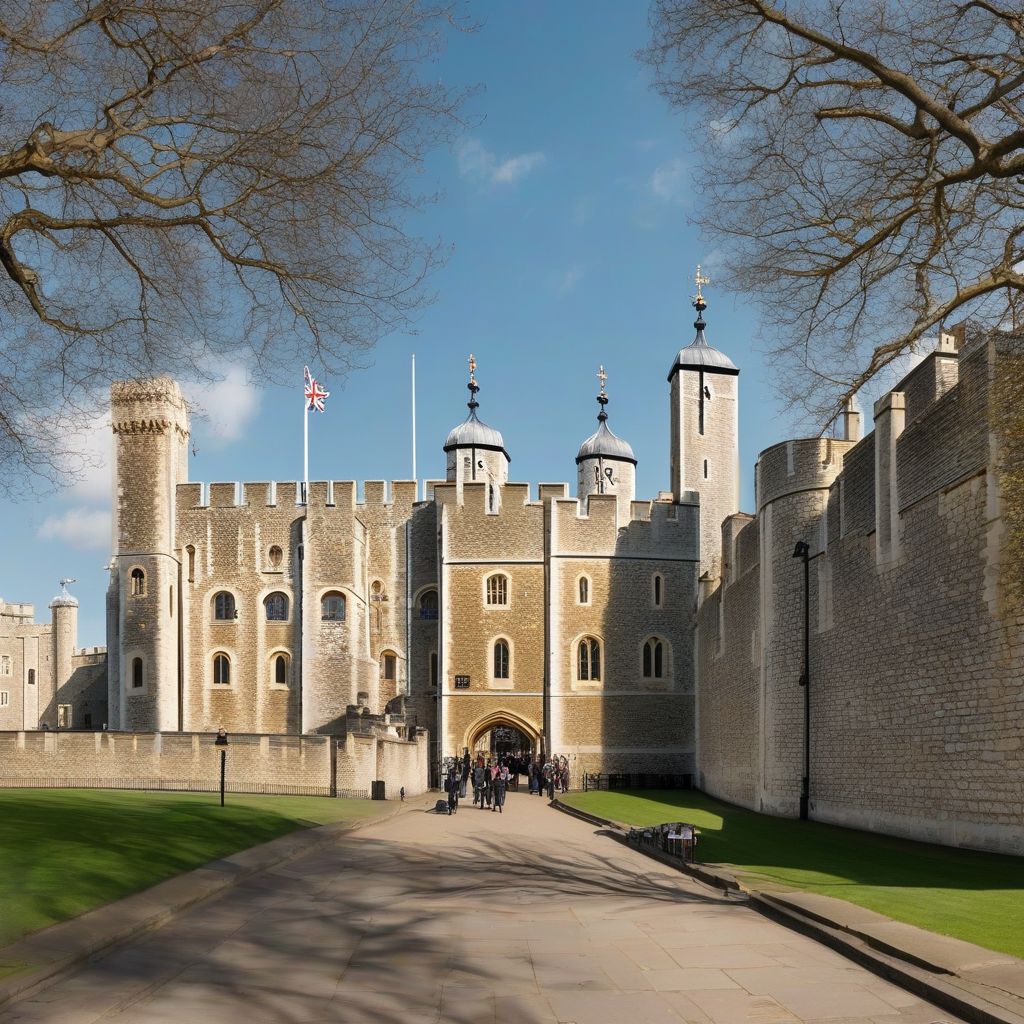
(700, 280)
(602, 377)
(64, 584)
(472, 369)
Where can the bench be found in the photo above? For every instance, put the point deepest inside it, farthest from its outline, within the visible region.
(676, 838)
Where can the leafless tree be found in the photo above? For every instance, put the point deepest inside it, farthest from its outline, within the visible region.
(865, 163)
(184, 178)
(864, 160)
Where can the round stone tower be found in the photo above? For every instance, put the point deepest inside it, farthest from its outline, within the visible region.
(149, 419)
(605, 464)
(55, 711)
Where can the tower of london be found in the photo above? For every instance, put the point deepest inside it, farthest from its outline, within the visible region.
(262, 608)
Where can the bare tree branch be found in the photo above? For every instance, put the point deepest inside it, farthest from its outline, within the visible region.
(179, 180)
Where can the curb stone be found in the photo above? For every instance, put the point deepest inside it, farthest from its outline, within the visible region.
(151, 908)
(976, 1004)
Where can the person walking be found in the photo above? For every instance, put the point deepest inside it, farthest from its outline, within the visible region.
(499, 785)
(478, 785)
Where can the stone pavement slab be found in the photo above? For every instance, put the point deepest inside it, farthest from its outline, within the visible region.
(529, 917)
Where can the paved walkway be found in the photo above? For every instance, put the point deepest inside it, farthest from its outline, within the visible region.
(528, 917)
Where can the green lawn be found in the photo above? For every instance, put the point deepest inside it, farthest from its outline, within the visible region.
(978, 897)
(65, 851)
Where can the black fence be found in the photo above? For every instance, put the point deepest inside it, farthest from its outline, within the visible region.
(637, 780)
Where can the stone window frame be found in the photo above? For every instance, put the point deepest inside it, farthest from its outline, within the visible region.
(332, 592)
(221, 652)
(137, 662)
(5, 665)
(658, 591)
(5, 698)
(388, 652)
(488, 604)
(272, 656)
(574, 653)
(275, 558)
(213, 606)
(137, 581)
(266, 606)
(423, 593)
(129, 655)
(667, 661)
(494, 682)
(433, 667)
(581, 579)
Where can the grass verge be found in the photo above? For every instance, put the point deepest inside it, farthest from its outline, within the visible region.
(978, 897)
(66, 851)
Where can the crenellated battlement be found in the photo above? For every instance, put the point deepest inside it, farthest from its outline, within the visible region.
(656, 529)
(803, 464)
(288, 493)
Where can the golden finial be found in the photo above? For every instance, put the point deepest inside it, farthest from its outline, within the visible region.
(602, 377)
(700, 280)
(472, 369)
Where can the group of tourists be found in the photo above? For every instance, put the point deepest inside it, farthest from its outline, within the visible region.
(492, 778)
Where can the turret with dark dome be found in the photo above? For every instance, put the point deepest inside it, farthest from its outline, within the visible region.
(699, 355)
(476, 452)
(605, 463)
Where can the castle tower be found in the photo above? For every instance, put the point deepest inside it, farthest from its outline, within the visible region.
(64, 617)
(605, 463)
(476, 452)
(705, 430)
(150, 424)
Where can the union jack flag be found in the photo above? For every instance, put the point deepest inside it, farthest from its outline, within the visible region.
(315, 392)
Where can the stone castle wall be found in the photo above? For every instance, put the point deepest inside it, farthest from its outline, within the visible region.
(916, 657)
(297, 765)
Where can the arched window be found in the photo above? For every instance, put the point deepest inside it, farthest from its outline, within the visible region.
(654, 659)
(428, 604)
(497, 589)
(191, 552)
(659, 591)
(281, 669)
(389, 665)
(584, 590)
(501, 660)
(588, 661)
(221, 670)
(137, 678)
(277, 607)
(224, 606)
(274, 556)
(332, 607)
(138, 583)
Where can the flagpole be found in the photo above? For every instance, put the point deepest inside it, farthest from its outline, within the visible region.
(414, 426)
(305, 452)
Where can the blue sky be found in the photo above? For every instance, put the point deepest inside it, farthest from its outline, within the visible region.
(566, 208)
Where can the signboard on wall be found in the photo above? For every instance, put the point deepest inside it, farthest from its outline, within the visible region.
(462, 682)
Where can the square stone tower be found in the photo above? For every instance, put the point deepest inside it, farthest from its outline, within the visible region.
(705, 435)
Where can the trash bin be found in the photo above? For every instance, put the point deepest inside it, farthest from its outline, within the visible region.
(377, 790)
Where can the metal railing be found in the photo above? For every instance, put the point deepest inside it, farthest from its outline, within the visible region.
(637, 780)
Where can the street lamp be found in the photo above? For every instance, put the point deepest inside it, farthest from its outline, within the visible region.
(802, 550)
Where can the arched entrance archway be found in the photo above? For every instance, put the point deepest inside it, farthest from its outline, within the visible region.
(500, 727)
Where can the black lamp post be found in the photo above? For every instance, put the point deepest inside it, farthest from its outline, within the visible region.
(802, 550)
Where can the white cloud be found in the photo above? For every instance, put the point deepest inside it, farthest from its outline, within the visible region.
(569, 279)
(80, 527)
(670, 181)
(478, 164)
(89, 451)
(227, 405)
